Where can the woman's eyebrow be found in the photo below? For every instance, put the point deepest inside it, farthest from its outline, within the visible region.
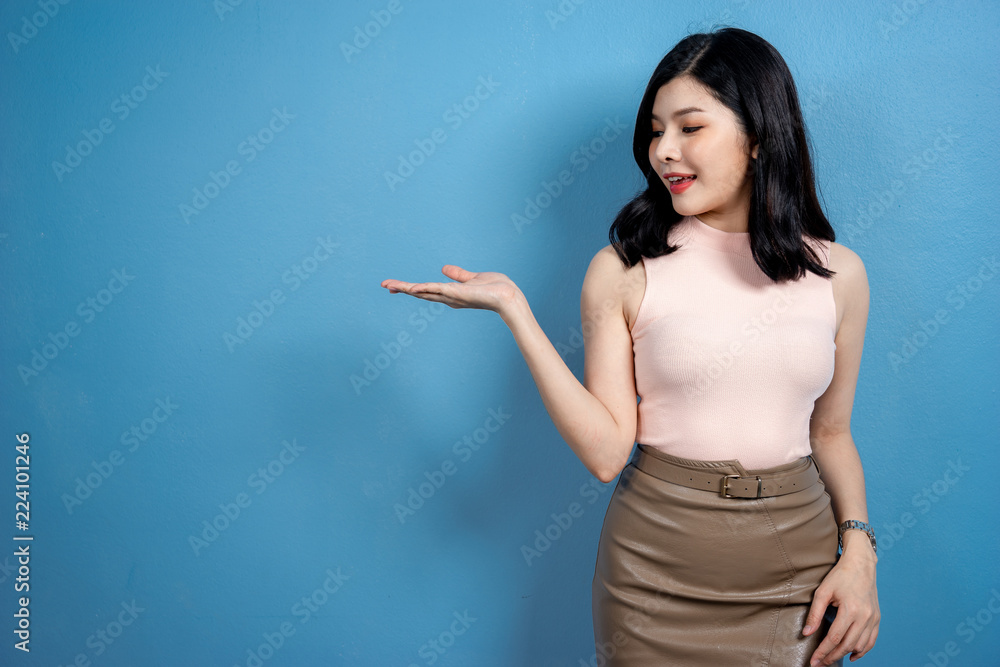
(681, 112)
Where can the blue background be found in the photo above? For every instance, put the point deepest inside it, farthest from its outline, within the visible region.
(900, 101)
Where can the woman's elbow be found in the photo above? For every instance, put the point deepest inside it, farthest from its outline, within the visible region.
(613, 468)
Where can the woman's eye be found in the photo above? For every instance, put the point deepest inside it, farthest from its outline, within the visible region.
(686, 130)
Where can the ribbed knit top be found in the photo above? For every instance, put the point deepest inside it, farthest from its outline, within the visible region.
(728, 363)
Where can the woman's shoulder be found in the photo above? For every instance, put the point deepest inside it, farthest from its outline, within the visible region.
(836, 256)
(845, 262)
(607, 264)
(849, 282)
(609, 281)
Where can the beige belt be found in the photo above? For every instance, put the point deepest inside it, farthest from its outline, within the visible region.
(729, 486)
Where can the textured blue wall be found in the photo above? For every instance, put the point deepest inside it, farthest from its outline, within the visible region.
(199, 201)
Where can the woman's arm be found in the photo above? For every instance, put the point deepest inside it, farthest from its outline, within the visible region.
(830, 428)
(850, 585)
(597, 421)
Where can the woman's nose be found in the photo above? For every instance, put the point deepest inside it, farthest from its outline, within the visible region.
(666, 149)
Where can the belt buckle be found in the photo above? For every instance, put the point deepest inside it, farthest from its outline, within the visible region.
(725, 486)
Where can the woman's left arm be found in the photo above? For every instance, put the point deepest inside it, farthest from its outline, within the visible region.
(850, 585)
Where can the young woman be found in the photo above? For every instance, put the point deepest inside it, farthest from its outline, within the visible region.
(724, 305)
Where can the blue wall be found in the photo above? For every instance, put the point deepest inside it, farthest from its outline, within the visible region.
(200, 200)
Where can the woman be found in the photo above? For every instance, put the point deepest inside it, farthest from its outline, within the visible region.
(724, 304)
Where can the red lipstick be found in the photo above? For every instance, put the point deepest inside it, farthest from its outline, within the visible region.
(679, 186)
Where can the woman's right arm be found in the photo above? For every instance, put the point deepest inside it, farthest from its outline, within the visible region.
(597, 419)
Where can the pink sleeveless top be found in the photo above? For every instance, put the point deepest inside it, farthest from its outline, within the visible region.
(728, 364)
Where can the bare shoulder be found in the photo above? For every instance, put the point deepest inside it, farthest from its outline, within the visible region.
(850, 284)
(610, 284)
(607, 261)
(850, 269)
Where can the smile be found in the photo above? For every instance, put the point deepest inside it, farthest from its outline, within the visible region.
(678, 183)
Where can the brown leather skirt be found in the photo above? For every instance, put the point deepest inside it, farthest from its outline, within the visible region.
(686, 576)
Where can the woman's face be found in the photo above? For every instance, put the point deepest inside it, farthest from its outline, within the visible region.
(696, 136)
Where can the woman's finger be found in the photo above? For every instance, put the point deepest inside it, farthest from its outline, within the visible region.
(834, 640)
(861, 644)
(410, 288)
(847, 644)
(821, 600)
(870, 646)
(488, 291)
(451, 303)
(458, 273)
(396, 285)
(425, 291)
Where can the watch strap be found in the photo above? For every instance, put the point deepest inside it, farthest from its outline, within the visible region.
(854, 524)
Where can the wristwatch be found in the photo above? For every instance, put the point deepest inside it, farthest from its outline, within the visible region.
(859, 525)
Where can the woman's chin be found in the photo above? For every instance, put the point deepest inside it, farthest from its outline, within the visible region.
(685, 210)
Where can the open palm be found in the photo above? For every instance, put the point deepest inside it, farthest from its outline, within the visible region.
(487, 290)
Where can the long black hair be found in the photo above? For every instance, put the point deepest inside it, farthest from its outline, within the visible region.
(748, 75)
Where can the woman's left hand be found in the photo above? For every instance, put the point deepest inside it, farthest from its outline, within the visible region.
(850, 587)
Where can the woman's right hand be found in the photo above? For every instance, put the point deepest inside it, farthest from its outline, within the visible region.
(487, 290)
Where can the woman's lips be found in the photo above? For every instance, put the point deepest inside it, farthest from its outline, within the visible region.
(679, 186)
